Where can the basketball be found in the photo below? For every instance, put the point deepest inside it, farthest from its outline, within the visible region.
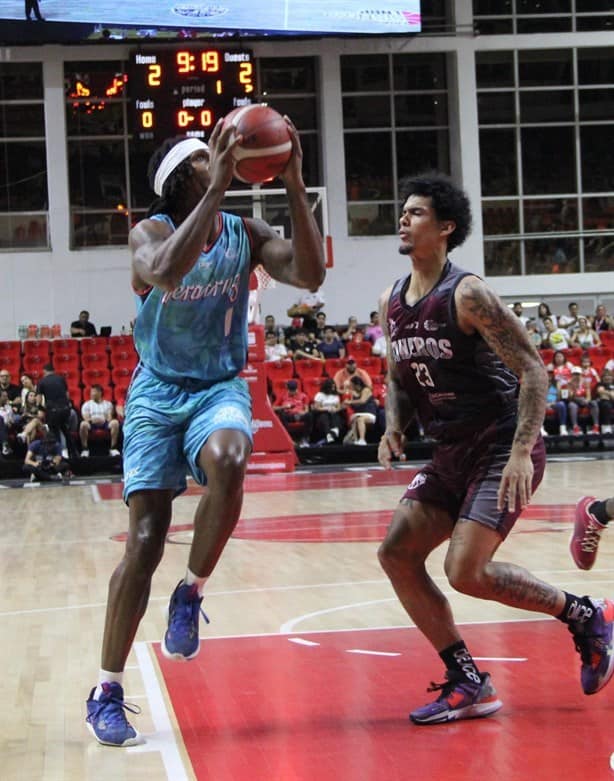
(266, 147)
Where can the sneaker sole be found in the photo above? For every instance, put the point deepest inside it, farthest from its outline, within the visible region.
(579, 564)
(137, 740)
(175, 655)
(470, 712)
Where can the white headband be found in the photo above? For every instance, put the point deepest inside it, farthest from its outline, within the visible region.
(173, 157)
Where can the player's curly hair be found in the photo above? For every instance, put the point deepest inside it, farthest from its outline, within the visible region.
(449, 202)
(173, 192)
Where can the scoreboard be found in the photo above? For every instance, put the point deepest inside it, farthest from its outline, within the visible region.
(185, 91)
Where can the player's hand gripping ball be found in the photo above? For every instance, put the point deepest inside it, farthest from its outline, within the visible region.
(266, 146)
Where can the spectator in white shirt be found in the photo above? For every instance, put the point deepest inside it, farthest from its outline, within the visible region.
(273, 350)
(98, 414)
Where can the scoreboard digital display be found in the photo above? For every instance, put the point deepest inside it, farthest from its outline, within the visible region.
(185, 91)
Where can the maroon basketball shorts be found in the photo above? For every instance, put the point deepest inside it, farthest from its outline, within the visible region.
(464, 477)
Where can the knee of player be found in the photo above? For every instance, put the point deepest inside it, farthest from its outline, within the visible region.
(226, 465)
(464, 577)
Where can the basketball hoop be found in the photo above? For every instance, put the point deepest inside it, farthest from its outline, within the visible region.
(263, 281)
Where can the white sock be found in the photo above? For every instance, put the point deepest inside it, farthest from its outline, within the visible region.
(104, 676)
(191, 578)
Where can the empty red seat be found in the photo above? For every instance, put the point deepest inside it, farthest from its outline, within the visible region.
(99, 360)
(308, 367)
(11, 348)
(63, 362)
(279, 370)
(371, 364)
(94, 344)
(33, 365)
(607, 339)
(358, 349)
(121, 343)
(38, 347)
(65, 347)
(332, 365)
(12, 366)
(95, 376)
(126, 359)
(311, 386)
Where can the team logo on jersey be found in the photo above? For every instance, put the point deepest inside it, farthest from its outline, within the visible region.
(230, 415)
(392, 328)
(419, 479)
(433, 325)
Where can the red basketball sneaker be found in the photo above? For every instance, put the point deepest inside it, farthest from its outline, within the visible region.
(586, 535)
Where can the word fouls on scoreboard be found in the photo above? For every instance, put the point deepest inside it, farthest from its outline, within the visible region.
(186, 91)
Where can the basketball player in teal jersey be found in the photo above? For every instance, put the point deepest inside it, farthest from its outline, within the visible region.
(187, 408)
(455, 356)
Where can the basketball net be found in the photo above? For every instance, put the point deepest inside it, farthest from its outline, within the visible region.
(263, 281)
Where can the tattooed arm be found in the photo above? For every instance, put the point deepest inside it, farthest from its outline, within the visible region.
(480, 309)
(399, 408)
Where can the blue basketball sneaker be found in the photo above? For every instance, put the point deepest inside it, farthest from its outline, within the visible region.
(460, 698)
(106, 719)
(181, 640)
(594, 641)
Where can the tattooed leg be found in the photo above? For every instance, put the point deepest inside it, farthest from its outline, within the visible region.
(470, 570)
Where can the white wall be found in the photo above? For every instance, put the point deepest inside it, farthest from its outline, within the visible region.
(52, 287)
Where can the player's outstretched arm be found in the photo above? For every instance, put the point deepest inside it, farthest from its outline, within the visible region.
(480, 309)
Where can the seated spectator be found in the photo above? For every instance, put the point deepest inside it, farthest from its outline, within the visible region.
(302, 346)
(554, 402)
(7, 417)
(273, 350)
(307, 306)
(570, 321)
(543, 311)
(604, 396)
(374, 330)
(327, 419)
(271, 325)
(82, 326)
(293, 407)
(13, 391)
(343, 376)
(578, 396)
(584, 336)
(602, 321)
(320, 326)
(363, 412)
(562, 368)
(351, 329)
(27, 385)
(31, 419)
(331, 346)
(517, 309)
(590, 375)
(97, 414)
(554, 338)
(44, 462)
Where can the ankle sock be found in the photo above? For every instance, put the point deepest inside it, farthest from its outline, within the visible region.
(457, 658)
(577, 610)
(104, 676)
(191, 579)
(598, 510)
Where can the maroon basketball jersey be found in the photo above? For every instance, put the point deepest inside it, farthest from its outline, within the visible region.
(456, 382)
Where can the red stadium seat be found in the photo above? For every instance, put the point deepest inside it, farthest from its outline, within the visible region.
(607, 339)
(358, 349)
(95, 376)
(65, 347)
(63, 362)
(279, 370)
(599, 357)
(332, 366)
(371, 364)
(33, 365)
(307, 367)
(72, 375)
(573, 354)
(37, 347)
(126, 359)
(546, 355)
(99, 360)
(121, 343)
(94, 344)
(12, 366)
(76, 394)
(11, 349)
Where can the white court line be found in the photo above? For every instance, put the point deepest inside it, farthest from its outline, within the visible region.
(301, 641)
(373, 653)
(95, 494)
(164, 738)
(500, 658)
(288, 626)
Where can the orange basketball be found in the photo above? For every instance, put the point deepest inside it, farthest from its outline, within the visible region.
(266, 147)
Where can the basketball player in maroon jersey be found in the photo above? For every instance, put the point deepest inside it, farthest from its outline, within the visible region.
(455, 356)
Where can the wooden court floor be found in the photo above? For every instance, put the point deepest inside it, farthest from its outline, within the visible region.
(309, 667)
